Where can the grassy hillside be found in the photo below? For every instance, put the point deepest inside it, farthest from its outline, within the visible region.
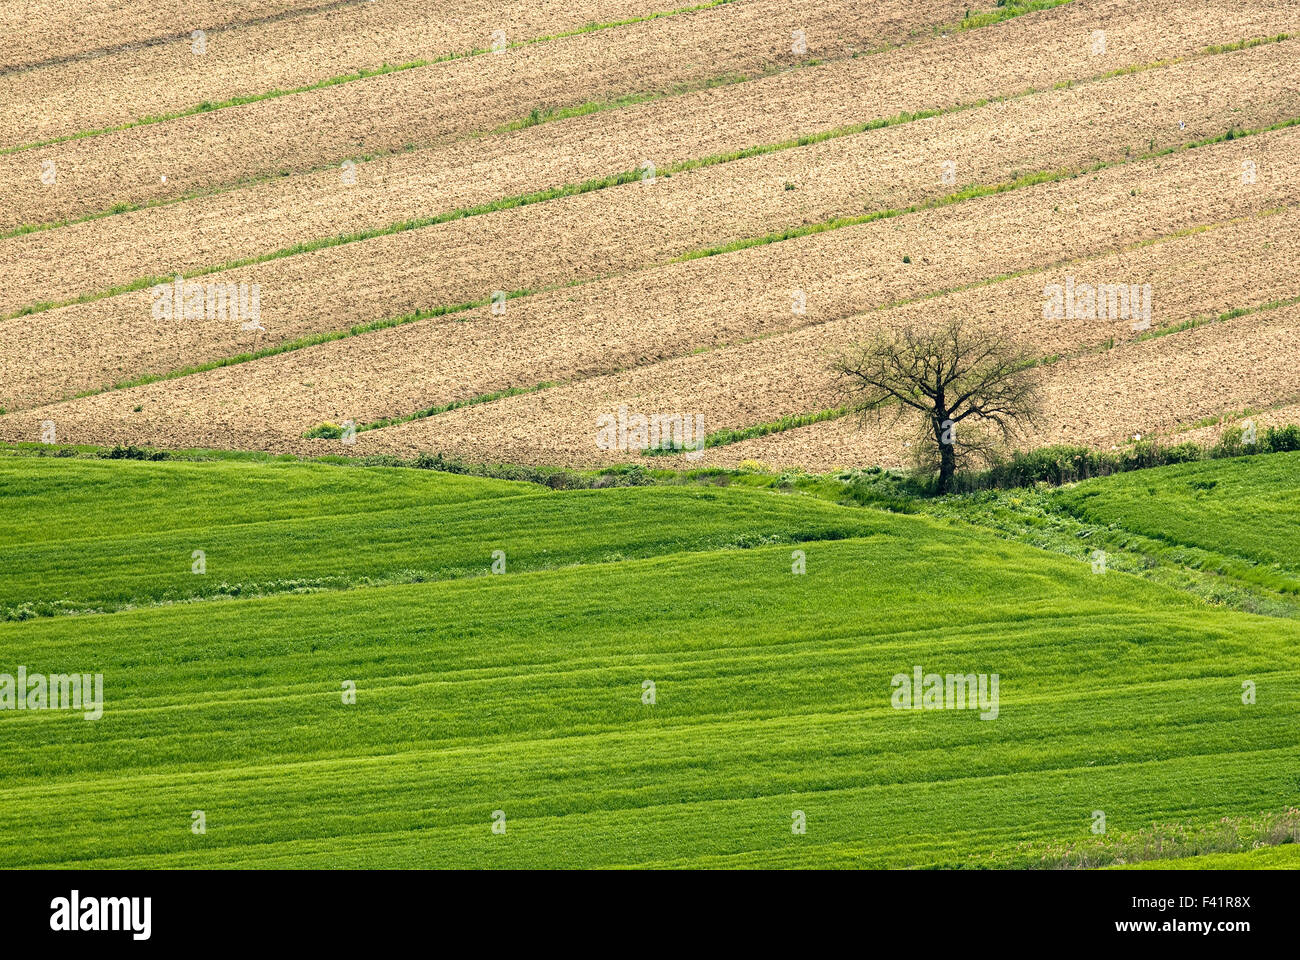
(268, 529)
(524, 692)
(1226, 531)
(49, 499)
(1243, 512)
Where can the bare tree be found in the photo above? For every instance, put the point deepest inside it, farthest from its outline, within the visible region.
(952, 373)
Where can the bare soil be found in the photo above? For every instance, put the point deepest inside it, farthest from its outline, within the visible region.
(1205, 95)
(622, 228)
(391, 112)
(36, 31)
(129, 83)
(1143, 389)
(269, 403)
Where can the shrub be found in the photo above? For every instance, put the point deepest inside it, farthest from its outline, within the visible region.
(1067, 464)
(1229, 444)
(1054, 465)
(553, 477)
(325, 431)
(132, 452)
(1282, 439)
(1183, 453)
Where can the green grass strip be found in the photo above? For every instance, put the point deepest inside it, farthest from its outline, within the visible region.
(494, 206)
(1005, 10)
(719, 438)
(1246, 44)
(453, 405)
(534, 118)
(974, 191)
(1223, 317)
(312, 340)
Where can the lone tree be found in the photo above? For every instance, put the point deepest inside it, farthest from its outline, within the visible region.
(951, 373)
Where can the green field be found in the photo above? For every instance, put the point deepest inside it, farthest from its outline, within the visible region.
(267, 529)
(523, 692)
(1237, 517)
(1226, 531)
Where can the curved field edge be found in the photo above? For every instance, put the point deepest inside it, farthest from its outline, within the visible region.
(1241, 510)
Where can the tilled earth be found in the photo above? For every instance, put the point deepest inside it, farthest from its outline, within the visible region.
(326, 40)
(34, 32)
(780, 374)
(605, 316)
(1247, 87)
(388, 113)
(1156, 387)
(622, 228)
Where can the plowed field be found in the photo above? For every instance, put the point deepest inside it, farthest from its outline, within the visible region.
(858, 168)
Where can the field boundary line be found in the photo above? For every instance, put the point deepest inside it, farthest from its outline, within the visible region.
(789, 650)
(1234, 415)
(253, 590)
(540, 491)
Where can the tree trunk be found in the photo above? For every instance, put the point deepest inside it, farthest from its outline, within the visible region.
(947, 450)
(947, 466)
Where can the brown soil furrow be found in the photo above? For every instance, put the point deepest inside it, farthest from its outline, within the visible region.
(60, 352)
(33, 32)
(57, 265)
(391, 112)
(281, 54)
(726, 299)
(62, 264)
(1146, 389)
(789, 374)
